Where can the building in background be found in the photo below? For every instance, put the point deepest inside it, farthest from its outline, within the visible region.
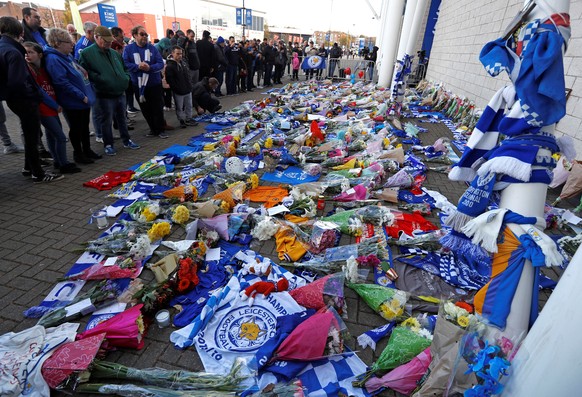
(219, 18)
(287, 34)
(50, 17)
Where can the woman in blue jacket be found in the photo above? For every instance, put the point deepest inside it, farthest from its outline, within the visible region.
(74, 92)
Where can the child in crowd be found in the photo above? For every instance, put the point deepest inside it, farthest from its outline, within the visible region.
(180, 82)
(49, 110)
(295, 63)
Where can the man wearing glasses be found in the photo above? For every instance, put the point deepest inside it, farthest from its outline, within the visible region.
(31, 25)
(144, 64)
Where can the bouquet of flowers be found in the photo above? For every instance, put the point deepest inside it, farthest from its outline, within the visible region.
(180, 214)
(349, 222)
(157, 296)
(387, 302)
(408, 339)
(123, 268)
(323, 236)
(174, 379)
(102, 294)
(125, 329)
(300, 204)
(159, 230)
(376, 215)
(143, 211)
(182, 193)
(271, 158)
(187, 277)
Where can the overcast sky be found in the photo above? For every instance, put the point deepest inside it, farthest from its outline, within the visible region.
(353, 16)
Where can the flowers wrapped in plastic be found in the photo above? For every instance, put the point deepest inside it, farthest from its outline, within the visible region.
(187, 277)
(323, 236)
(376, 215)
(349, 222)
(182, 193)
(327, 291)
(159, 230)
(408, 339)
(387, 302)
(122, 268)
(103, 293)
(143, 211)
(174, 379)
(125, 329)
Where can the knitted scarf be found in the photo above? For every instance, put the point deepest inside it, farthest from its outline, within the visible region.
(142, 78)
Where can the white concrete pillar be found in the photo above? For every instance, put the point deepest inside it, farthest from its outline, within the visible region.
(391, 19)
(416, 24)
(404, 35)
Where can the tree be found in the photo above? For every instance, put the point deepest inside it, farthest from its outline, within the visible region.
(67, 14)
(267, 32)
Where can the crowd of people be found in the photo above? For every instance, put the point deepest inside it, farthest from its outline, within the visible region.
(97, 78)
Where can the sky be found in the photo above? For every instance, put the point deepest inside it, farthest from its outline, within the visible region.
(353, 16)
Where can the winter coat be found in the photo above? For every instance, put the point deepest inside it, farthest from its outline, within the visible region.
(191, 54)
(70, 80)
(16, 82)
(178, 76)
(106, 71)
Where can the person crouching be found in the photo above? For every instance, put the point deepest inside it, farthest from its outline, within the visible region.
(201, 98)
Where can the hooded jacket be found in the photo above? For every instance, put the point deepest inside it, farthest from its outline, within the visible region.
(106, 71)
(178, 76)
(70, 80)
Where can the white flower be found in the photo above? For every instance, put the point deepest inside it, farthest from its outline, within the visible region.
(265, 229)
(140, 248)
(425, 334)
(350, 270)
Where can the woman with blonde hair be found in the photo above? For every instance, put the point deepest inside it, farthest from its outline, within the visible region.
(73, 90)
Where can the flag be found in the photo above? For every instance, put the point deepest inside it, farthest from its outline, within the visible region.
(313, 62)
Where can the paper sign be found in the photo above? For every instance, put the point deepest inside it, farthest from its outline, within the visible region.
(277, 209)
(571, 218)
(110, 261)
(83, 307)
(213, 254)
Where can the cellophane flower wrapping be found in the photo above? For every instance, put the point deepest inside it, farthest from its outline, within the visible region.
(125, 329)
(143, 211)
(327, 291)
(445, 350)
(349, 222)
(324, 235)
(387, 302)
(487, 352)
(406, 341)
(265, 229)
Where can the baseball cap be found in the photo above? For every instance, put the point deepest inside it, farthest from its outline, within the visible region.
(104, 32)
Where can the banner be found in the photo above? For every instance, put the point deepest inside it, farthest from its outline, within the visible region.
(313, 62)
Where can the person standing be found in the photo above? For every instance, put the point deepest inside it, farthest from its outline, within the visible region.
(19, 90)
(232, 55)
(221, 64)
(110, 79)
(118, 45)
(191, 55)
(178, 77)
(206, 55)
(334, 56)
(9, 146)
(87, 40)
(269, 53)
(144, 64)
(74, 92)
(31, 24)
(49, 110)
(371, 58)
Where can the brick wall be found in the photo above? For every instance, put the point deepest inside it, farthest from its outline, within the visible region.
(463, 28)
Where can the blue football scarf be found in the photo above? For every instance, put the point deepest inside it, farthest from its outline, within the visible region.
(370, 338)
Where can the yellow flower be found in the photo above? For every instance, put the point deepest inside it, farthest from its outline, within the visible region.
(140, 325)
(269, 143)
(225, 206)
(257, 148)
(463, 321)
(386, 142)
(158, 231)
(210, 147)
(181, 214)
(411, 322)
(254, 181)
(390, 310)
(149, 215)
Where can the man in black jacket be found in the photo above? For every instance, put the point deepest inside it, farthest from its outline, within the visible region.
(31, 24)
(191, 55)
(269, 53)
(201, 98)
(221, 64)
(180, 81)
(206, 55)
(19, 90)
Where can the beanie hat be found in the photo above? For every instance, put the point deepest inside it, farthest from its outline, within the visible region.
(206, 33)
(220, 40)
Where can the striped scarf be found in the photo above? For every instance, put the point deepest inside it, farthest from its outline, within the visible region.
(142, 78)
